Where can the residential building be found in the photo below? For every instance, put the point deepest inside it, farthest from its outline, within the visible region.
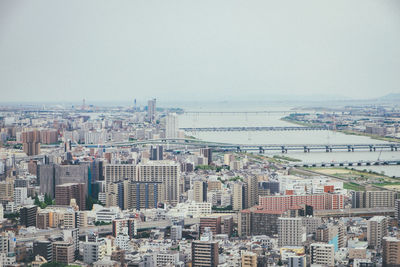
(322, 254)
(205, 254)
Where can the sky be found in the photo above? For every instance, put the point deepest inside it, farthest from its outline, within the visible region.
(208, 50)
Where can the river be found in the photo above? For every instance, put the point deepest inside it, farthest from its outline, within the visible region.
(194, 120)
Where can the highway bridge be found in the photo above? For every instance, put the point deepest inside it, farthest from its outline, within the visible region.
(240, 112)
(261, 148)
(255, 128)
(346, 163)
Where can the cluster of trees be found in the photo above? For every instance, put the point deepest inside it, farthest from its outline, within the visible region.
(43, 204)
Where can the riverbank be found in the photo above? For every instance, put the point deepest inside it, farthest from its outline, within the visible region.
(348, 132)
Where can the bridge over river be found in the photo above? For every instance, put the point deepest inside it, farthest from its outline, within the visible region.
(255, 128)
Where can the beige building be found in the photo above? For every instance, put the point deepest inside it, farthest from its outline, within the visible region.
(239, 196)
(322, 254)
(291, 232)
(391, 251)
(199, 191)
(165, 171)
(252, 189)
(119, 172)
(376, 230)
(249, 259)
(7, 189)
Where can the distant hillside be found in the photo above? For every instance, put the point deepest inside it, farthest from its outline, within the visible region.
(390, 97)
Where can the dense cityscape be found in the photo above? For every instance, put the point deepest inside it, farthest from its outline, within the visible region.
(90, 185)
(186, 133)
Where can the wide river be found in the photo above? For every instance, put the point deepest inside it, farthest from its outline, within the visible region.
(194, 120)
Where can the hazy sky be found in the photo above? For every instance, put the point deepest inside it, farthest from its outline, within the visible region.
(106, 50)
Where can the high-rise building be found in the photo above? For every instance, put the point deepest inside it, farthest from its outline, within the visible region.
(205, 254)
(144, 195)
(291, 232)
(156, 153)
(332, 234)
(252, 190)
(322, 254)
(213, 223)
(249, 259)
(200, 191)
(28, 215)
(397, 209)
(7, 189)
(391, 251)
(239, 196)
(373, 199)
(151, 110)
(66, 192)
(43, 248)
(51, 175)
(228, 225)
(31, 142)
(171, 126)
(207, 153)
(376, 230)
(63, 252)
(164, 171)
(119, 172)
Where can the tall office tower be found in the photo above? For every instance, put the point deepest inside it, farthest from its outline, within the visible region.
(43, 248)
(249, 259)
(156, 153)
(200, 191)
(239, 196)
(51, 175)
(143, 195)
(171, 126)
(207, 153)
(373, 199)
(291, 232)
(126, 225)
(297, 261)
(66, 192)
(119, 172)
(213, 223)
(252, 190)
(205, 254)
(376, 230)
(151, 110)
(28, 215)
(165, 171)
(322, 254)
(63, 252)
(391, 251)
(31, 142)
